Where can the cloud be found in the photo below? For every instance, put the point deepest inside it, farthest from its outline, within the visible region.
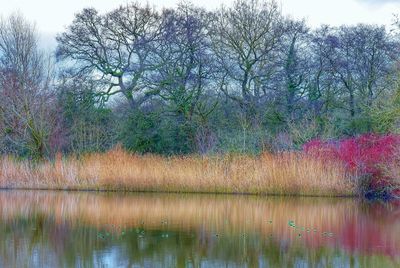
(378, 2)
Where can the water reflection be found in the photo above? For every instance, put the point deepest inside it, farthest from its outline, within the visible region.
(60, 229)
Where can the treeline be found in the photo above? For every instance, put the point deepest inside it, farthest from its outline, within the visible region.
(243, 78)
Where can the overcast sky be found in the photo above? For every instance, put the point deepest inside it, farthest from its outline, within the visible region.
(52, 16)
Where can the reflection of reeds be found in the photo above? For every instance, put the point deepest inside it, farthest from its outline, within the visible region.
(352, 227)
(285, 173)
(213, 213)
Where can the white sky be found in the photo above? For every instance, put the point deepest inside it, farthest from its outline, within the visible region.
(52, 16)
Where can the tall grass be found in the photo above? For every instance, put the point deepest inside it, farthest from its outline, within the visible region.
(291, 173)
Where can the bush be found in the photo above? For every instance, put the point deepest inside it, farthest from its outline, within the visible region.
(367, 156)
(149, 132)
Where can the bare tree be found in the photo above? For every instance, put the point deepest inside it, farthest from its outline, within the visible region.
(183, 58)
(114, 47)
(295, 66)
(26, 99)
(361, 59)
(245, 39)
(85, 123)
(185, 68)
(322, 83)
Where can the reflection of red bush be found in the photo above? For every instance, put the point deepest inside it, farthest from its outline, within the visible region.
(366, 237)
(371, 233)
(368, 154)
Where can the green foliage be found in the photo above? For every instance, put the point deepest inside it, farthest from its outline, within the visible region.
(359, 124)
(91, 127)
(151, 132)
(385, 116)
(140, 133)
(275, 119)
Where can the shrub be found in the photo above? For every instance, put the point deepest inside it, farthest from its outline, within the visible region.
(367, 157)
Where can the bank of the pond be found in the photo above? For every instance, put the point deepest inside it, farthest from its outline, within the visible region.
(291, 173)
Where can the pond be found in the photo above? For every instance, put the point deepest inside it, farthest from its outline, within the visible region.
(92, 229)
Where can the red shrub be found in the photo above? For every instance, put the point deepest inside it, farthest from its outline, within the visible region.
(366, 155)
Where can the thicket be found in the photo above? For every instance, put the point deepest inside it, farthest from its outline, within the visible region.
(186, 80)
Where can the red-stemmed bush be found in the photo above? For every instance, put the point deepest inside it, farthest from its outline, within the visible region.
(366, 156)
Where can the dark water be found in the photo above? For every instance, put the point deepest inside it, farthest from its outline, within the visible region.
(60, 229)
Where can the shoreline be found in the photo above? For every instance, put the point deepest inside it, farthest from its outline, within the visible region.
(91, 190)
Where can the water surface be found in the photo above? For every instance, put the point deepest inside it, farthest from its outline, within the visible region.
(88, 229)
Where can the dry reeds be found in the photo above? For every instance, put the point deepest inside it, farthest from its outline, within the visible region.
(290, 173)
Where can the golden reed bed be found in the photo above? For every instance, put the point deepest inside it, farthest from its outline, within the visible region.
(285, 173)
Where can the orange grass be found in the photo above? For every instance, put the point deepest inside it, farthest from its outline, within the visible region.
(291, 173)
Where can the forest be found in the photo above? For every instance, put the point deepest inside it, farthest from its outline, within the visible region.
(240, 80)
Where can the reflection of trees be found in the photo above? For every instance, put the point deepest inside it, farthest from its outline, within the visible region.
(42, 242)
(56, 229)
(39, 242)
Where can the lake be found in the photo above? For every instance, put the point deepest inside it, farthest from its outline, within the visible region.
(92, 229)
